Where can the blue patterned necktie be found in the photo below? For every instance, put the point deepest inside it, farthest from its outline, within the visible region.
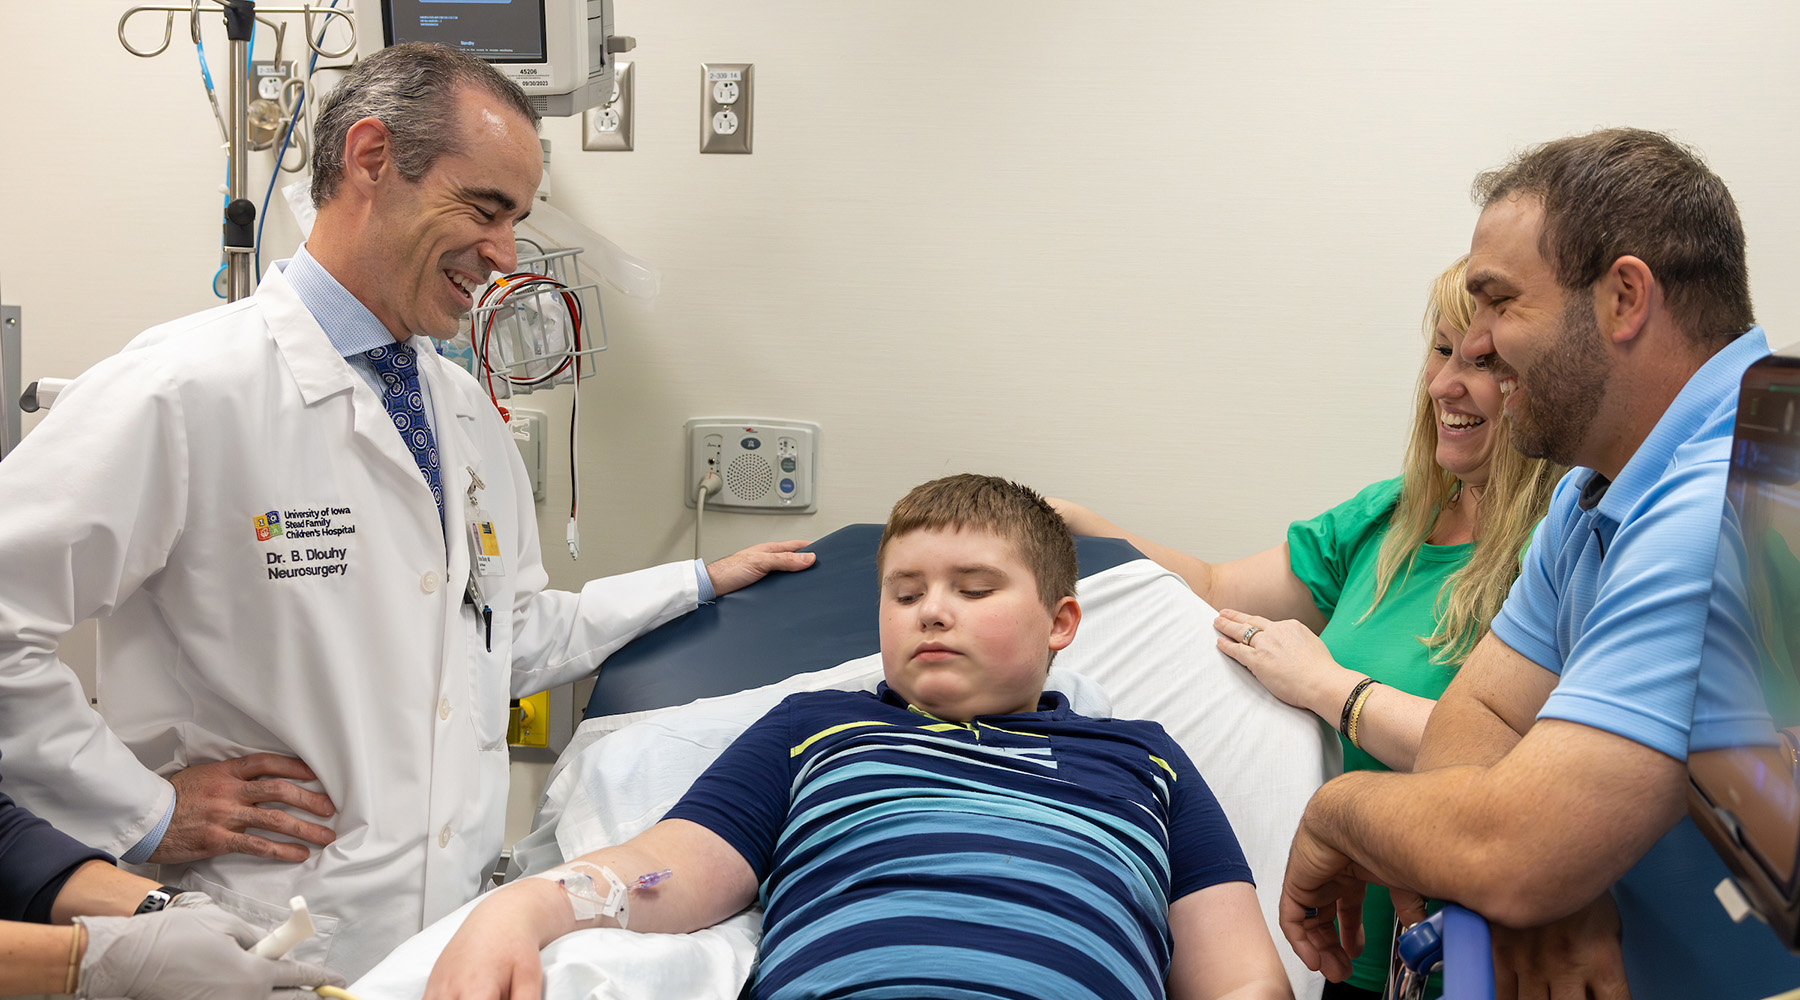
(399, 371)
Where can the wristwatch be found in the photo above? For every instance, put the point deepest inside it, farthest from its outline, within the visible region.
(157, 899)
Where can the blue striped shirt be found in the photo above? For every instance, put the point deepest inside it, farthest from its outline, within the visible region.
(1032, 855)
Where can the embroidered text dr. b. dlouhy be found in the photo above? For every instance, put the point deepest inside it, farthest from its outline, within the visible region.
(309, 561)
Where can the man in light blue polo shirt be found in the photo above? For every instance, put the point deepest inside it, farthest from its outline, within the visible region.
(1609, 272)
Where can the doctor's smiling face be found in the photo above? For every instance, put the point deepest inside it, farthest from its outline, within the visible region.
(429, 244)
(964, 629)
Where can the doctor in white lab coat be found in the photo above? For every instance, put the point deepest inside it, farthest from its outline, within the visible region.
(278, 598)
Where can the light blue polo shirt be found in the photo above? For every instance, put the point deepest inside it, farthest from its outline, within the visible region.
(1614, 597)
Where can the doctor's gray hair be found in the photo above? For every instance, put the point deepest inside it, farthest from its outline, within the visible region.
(411, 89)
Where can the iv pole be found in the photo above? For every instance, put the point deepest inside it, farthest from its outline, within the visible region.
(240, 212)
(240, 20)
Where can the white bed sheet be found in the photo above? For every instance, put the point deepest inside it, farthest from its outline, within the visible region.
(1145, 650)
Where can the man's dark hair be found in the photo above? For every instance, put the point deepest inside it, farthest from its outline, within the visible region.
(411, 88)
(1619, 192)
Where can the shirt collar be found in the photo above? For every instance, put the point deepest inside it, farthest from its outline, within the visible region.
(1708, 394)
(352, 328)
(1051, 705)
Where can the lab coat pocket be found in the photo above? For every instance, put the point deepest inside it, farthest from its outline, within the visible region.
(267, 916)
(490, 682)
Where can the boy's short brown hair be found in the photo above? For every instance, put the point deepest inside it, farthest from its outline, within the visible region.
(988, 503)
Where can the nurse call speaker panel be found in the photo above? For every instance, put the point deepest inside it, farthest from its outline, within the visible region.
(766, 466)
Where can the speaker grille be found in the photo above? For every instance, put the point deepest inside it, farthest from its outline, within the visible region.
(749, 477)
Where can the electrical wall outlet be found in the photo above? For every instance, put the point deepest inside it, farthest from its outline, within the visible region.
(726, 115)
(271, 77)
(607, 128)
(768, 466)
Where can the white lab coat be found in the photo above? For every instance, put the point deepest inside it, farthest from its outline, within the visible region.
(136, 501)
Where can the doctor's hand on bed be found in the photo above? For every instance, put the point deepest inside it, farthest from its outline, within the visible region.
(217, 804)
(743, 568)
(494, 954)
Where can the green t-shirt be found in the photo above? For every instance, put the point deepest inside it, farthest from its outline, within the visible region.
(1335, 554)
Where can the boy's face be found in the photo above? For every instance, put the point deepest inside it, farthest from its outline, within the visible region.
(963, 630)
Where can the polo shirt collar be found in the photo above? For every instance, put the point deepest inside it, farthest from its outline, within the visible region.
(1051, 705)
(1696, 403)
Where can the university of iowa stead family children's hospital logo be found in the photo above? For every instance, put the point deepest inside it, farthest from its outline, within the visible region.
(268, 525)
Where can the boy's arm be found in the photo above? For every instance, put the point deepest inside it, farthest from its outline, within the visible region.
(494, 955)
(1222, 947)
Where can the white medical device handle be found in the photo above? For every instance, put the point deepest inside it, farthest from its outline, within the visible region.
(281, 940)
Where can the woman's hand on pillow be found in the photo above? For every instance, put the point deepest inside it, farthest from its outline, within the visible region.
(1288, 659)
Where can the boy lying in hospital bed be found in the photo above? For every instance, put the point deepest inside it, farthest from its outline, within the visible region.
(960, 832)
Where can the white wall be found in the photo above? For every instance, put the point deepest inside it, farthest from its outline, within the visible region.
(1166, 257)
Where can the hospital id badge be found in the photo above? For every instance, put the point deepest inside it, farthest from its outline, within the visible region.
(484, 550)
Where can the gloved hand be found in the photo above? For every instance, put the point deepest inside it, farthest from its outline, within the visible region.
(191, 951)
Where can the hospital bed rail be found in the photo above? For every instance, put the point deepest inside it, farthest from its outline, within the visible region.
(1453, 939)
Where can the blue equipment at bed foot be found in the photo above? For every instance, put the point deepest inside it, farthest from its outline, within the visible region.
(1453, 939)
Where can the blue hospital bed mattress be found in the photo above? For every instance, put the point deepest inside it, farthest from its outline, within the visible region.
(785, 624)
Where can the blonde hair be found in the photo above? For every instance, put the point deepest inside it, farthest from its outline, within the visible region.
(1517, 495)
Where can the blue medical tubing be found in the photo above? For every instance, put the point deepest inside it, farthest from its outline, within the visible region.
(281, 154)
(206, 77)
(212, 96)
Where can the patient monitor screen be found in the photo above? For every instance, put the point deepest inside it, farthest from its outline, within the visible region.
(498, 31)
(1750, 784)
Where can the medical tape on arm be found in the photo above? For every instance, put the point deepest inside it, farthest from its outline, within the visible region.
(582, 883)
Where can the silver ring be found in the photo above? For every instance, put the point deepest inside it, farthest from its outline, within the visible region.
(1309, 913)
(1250, 633)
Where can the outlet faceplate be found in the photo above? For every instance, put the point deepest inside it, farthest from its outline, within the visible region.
(726, 118)
(768, 466)
(607, 128)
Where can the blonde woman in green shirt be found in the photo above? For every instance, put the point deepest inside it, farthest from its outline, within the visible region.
(1364, 613)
